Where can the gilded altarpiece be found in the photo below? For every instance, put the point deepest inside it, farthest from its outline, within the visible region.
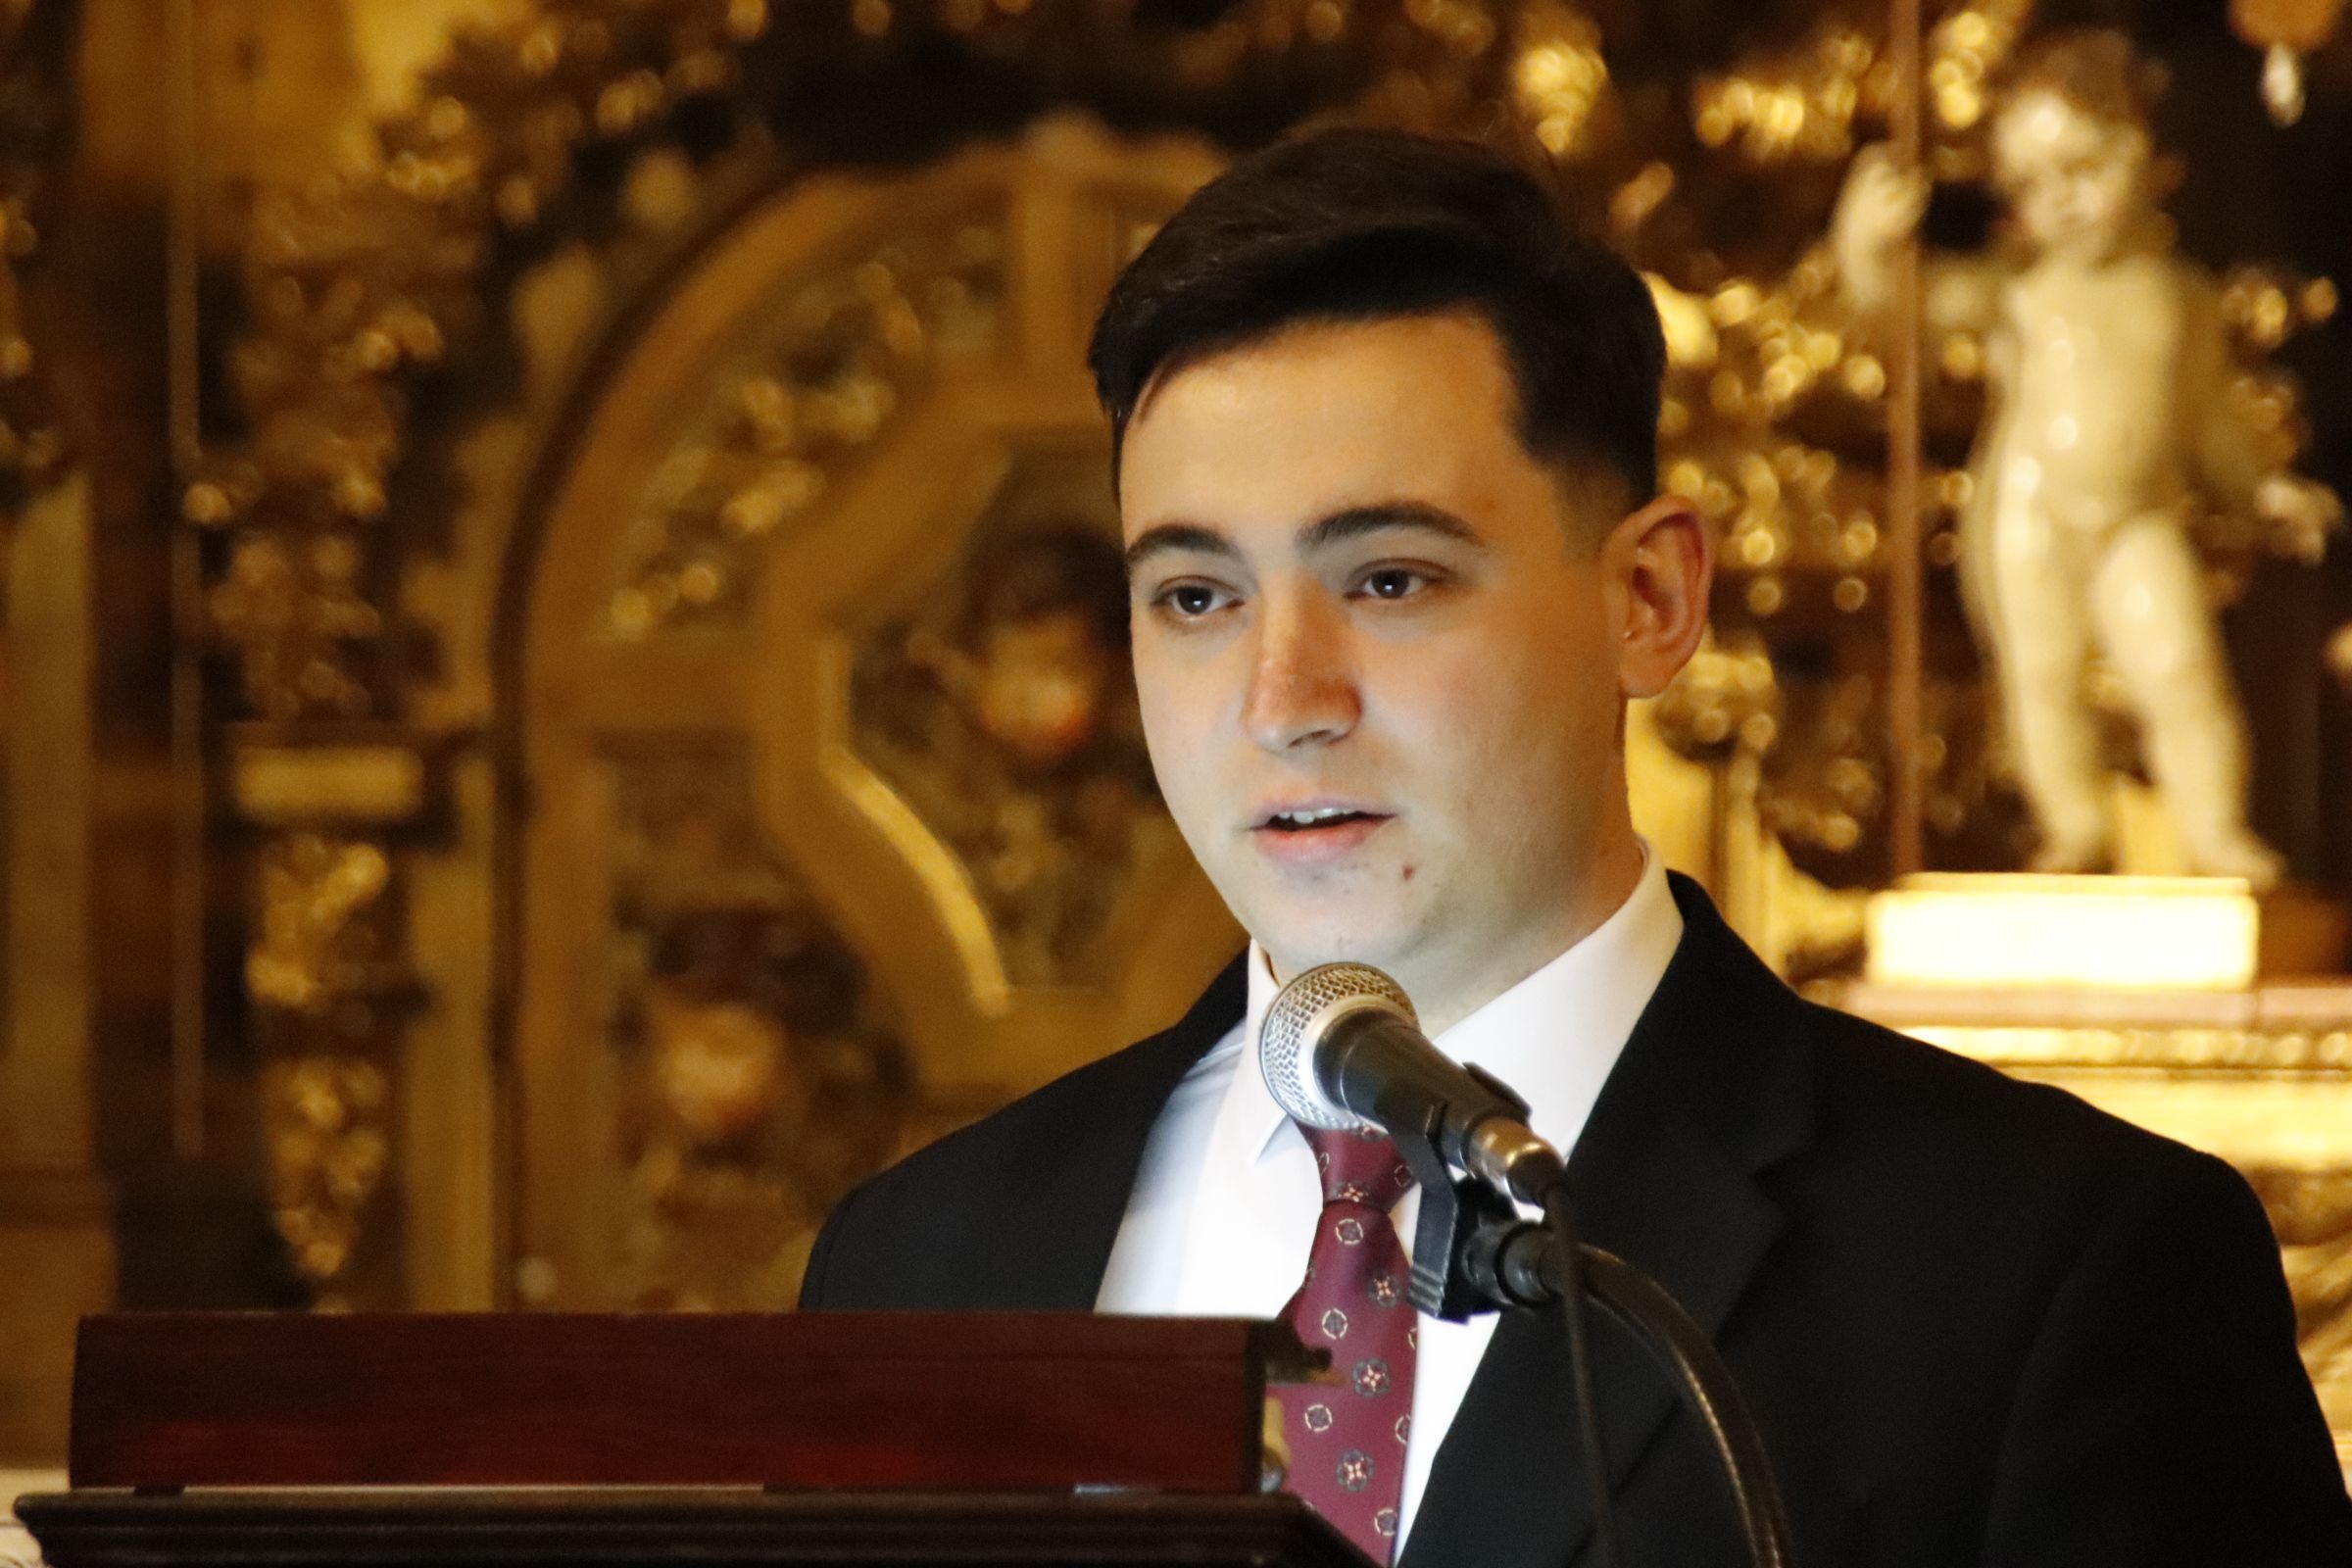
(695, 761)
(746, 457)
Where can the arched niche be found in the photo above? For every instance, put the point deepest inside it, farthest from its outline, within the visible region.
(824, 822)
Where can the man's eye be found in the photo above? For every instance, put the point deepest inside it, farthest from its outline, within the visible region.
(1190, 600)
(1392, 582)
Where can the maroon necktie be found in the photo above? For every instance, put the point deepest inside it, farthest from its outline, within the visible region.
(1347, 1435)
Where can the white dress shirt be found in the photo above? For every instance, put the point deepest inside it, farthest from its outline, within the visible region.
(1227, 1197)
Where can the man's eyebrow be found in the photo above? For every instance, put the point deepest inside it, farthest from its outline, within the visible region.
(1160, 538)
(1356, 523)
(1352, 522)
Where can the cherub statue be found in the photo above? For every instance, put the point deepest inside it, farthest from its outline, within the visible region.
(2109, 416)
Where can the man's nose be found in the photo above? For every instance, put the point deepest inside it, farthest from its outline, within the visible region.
(1302, 682)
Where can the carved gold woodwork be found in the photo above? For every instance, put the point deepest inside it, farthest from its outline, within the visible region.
(1003, 715)
(1775, 422)
(2311, 1210)
(57, 1238)
(857, 341)
(367, 282)
(32, 449)
(323, 937)
(911, 676)
(740, 529)
(365, 286)
(328, 1121)
(756, 1078)
(329, 984)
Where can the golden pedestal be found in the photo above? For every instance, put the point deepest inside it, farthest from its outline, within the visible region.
(2131, 933)
(2190, 1005)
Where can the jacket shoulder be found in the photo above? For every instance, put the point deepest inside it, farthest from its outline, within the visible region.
(975, 1160)
(1061, 1156)
(1967, 1128)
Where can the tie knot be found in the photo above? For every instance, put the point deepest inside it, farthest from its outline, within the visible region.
(1358, 1168)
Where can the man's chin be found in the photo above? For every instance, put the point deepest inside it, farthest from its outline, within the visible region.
(1296, 946)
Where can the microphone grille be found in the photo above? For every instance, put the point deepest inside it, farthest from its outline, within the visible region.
(1296, 1020)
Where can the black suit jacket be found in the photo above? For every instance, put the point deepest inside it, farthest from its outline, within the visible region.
(1980, 1322)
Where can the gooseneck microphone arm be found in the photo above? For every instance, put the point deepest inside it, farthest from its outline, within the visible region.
(1341, 1049)
(1481, 1254)
(1456, 1217)
(1524, 1265)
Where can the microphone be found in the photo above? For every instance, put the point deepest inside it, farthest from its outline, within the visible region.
(1342, 1050)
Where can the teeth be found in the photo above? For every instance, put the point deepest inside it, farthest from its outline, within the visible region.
(1321, 813)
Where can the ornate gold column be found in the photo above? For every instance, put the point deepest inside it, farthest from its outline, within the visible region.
(56, 1251)
(330, 986)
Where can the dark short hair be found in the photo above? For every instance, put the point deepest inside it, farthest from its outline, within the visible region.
(1355, 225)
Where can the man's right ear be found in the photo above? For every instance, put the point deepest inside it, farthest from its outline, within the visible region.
(1660, 568)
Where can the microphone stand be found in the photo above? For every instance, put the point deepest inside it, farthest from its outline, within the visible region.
(1473, 1252)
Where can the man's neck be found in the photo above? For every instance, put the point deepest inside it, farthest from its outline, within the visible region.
(1449, 985)
(1609, 880)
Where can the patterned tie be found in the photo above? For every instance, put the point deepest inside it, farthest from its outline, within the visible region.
(1347, 1438)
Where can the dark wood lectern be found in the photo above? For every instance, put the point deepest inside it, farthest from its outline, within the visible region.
(685, 1441)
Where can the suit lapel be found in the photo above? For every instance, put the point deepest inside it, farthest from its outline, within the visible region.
(1713, 1086)
(1069, 1188)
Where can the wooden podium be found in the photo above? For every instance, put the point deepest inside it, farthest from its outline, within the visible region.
(688, 1442)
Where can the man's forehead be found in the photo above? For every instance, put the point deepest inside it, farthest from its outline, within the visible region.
(1300, 427)
(1322, 346)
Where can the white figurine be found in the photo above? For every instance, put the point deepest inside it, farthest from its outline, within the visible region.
(2108, 366)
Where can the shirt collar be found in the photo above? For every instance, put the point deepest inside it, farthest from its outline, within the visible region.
(1553, 1037)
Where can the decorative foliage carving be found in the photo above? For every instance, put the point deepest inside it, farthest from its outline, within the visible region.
(358, 287)
(32, 113)
(323, 938)
(293, 606)
(326, 977)
(1774, 420)
(328, 1118)
(851, 348)
(1725, 697)
(1004, 711)
(759, 1081)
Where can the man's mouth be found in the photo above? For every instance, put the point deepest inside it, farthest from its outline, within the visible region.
(1316, 833)
(1311, 833)
(1307, 820)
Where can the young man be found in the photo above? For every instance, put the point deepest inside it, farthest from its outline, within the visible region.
(1385, 448)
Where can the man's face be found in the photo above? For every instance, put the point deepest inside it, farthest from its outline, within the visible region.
(1377, 656)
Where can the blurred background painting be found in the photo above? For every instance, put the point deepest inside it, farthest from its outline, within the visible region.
(562, 644)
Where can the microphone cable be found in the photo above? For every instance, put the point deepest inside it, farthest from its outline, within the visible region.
(1569, 1280)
